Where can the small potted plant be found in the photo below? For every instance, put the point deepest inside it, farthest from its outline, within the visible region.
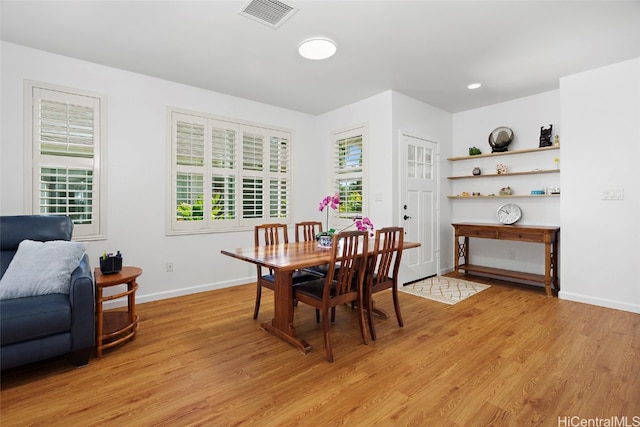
(325, 238)
(110, 263)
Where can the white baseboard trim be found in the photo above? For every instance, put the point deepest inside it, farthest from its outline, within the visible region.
(600, 302)
(142, 298)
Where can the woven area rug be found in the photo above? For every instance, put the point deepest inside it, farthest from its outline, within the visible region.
(448, 290)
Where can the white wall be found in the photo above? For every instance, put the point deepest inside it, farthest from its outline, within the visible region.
(471, 128)
(137, 167)
(375, 112)
(600, 112)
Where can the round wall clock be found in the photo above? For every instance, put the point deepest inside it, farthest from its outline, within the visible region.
(509, 213)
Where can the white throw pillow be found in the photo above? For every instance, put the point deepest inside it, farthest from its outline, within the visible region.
(40, 268)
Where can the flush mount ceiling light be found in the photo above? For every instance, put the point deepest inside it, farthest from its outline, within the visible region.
(474, 86)
(317, 48)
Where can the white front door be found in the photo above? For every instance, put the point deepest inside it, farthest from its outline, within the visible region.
(419, 207)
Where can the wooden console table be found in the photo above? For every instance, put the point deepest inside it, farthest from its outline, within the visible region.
(522, 233)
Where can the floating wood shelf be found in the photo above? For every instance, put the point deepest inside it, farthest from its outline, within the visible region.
(493, 175)
(503, 197)
(504, 153)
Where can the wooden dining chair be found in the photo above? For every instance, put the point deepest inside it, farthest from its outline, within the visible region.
(340, 286)
(273, 234)
(306, 231)
(382, 271)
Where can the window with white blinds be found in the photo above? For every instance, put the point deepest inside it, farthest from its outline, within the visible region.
(349, 172)
(226, 174)
(64, 148)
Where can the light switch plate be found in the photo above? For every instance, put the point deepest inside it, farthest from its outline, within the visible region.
(613, 193)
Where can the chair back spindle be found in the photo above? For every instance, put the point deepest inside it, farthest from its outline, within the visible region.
(349, 257)
(272, 234)
(306, 231)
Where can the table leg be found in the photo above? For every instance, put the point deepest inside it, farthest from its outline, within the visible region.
(466, 253)
(461, 251)
(458, 252)
(456, 255)
(133, 317)
(547, 269)
(282, 322)
(554, 268)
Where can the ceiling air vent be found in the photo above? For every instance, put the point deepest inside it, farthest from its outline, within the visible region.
(273, 13)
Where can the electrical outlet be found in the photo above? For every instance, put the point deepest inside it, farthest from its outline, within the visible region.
(169, 267)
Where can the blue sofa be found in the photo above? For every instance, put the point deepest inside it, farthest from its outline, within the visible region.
(39, 327)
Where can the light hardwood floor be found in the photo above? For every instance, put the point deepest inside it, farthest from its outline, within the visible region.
(507, 356)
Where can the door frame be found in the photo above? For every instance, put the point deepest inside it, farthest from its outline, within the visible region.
(407, 275)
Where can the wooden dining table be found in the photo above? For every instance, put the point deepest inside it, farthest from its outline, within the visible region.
(283, 259)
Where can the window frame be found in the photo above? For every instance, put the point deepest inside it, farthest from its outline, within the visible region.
(235, 176)
(35, 161)
(338, 219)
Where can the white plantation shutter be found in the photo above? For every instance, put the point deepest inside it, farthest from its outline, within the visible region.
(223, 146)
(278, 198)
(253, 178)
(66, 129)
(252, 198)
(279, 154)
(279, 176)
(189, 194)
(247, 168)
(190, 171)
(224, 140)
(190, 144)
(65, 191)
(223, 203)
(349, 171)
(252, 151)
(66, 143)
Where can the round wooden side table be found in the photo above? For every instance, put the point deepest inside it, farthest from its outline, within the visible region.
(115, 327)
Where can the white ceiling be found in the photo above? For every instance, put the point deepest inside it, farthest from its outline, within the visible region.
(428, 50)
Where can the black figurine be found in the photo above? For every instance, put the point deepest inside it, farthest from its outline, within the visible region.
(545, 136)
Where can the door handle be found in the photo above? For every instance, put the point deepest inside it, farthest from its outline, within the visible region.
(406, 217)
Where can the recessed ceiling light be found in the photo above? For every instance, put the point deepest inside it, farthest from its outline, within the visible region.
(317, 48)
(474, 86)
